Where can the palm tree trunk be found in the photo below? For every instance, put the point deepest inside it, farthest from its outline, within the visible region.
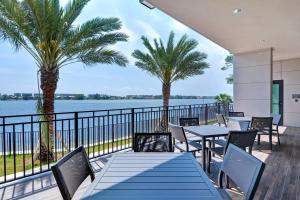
(166, 90)
(49, 79)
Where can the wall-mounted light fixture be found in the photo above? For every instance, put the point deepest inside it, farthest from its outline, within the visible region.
(147, 4)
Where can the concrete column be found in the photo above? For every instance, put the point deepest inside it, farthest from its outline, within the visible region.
(253, 82)
(289, 72)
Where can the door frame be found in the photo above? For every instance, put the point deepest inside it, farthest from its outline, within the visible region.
(281, 97)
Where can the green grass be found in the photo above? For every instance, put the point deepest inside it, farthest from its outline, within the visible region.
(28, 158)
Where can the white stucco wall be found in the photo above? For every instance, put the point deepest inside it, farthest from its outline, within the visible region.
(252, 73)
(289, 72)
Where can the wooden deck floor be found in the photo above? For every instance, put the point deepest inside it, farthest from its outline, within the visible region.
(281, 178)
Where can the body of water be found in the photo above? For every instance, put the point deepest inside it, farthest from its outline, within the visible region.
(29, 107)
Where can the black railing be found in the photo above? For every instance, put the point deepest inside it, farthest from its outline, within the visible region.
(101, 132)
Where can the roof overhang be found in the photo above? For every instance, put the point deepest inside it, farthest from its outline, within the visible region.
(240, 25)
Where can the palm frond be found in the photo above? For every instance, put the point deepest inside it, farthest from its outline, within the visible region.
(90, 29)
(173, 62)
(104, 56)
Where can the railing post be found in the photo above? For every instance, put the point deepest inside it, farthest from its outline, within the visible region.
(206, 114)
(132, 127)
(76, 128)
(9, 143)
(190, 111)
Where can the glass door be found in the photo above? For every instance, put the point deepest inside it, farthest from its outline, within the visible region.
(277, 97)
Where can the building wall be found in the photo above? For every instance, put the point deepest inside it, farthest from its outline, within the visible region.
(289, 72)
(252, 82)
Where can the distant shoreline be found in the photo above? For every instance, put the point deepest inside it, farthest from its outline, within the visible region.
(102, 99)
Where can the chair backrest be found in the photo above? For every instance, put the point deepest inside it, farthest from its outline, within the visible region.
(71, 170)
(152, 142)
(241, 139)
(243, 169)
(191, 121)
(236, 114)
(276, 119)
(262, 124)
(221, 120)
(177, 133)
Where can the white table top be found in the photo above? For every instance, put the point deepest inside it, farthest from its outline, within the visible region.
(240, 119)
(136, 176)
(207, 130)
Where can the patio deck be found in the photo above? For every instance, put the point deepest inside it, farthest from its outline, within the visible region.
(281, 178)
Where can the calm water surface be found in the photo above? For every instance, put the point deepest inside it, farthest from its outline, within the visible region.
(29, 107)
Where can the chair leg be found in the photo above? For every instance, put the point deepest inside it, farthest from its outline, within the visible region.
(209, 160)
(270, 140)
(209, 156)
(194, 153)
(258, 140)
(278, 137)
(227, 181)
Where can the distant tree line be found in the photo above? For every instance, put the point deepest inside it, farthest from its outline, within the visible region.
(29, 96)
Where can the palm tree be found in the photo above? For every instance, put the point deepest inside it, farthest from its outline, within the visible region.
(228, 64)
(223, 99)
(170, 63)
(47, 32)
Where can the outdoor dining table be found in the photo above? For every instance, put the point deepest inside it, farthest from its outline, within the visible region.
(205, 132)
(136, 176)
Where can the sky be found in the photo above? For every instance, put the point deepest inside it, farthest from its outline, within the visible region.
(18, 72)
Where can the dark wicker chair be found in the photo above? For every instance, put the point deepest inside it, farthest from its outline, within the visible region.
(264, 127)
(275, 127)
(181, 142)
(153, 142)
(243, 169)
(236, 114)
(71, 170)
(190, 122)
(242, 139)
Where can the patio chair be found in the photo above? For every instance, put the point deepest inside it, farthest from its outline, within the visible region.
(242, 139)
(181, 142)
(276, 122)
(190, 122)
(71, 170)
(221, 122)
(152, 142)
(236, 114)
(264, 127)
(243, 169)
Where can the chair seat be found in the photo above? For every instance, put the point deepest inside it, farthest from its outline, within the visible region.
(193, 146)
(192, 137)
(264, 133)
(221, 142)
(217, 150)
(224, 194)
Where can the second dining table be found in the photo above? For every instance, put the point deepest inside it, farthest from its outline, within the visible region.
(205, 132)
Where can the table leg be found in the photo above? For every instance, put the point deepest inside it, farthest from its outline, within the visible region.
(204, 153)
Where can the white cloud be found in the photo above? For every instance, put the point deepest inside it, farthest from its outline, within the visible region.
(178, 26)
(132, 36)
(148, 29)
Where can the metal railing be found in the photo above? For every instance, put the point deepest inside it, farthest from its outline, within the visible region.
(101, 132)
